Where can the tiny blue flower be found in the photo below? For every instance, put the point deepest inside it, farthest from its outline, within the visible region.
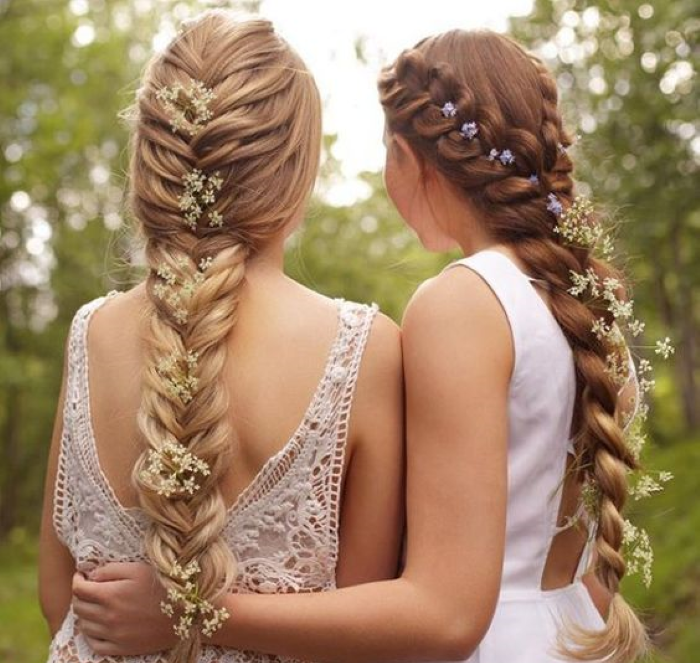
(449, 109)
(507, 157)
(534, 179)
(469, 130)
(554, 205)
(493, 154)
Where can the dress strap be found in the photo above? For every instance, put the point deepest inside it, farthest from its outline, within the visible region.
(74, 439)
(357, 322)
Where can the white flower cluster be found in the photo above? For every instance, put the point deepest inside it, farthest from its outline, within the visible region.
(195, 608)
(638, 552)
(172, 470)
(188, 108)
(178, 291)
(178, 371)
(198, 195)
(578, 229)
(576, 225)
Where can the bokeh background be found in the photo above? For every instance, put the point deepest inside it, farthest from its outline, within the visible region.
(627, 72)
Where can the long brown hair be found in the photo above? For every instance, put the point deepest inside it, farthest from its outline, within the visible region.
(263, 140)
(512, 98)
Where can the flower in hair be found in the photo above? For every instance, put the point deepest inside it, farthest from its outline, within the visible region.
(561, 147)
(577, 225)
(553, 205)
(493, 154)
(533, 179)
(449, 109)
(199, 194)
(172, 470)
(178, 290)
(469, 130)
(178, 371)
(188, 108)
(506, 157)
(194, 606)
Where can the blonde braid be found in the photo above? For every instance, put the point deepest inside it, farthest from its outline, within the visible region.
(225, 151)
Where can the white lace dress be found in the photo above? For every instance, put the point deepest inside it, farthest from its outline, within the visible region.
(283, 527)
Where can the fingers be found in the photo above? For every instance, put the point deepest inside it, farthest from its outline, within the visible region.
(86, 590)
(86, 610)
(103, 647)
(91, 629)
(116, 571)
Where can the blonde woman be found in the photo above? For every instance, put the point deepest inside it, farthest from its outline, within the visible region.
(232, 428)
(518, 388)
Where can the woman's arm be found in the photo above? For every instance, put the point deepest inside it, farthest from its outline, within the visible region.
(458, 358)
(56, 565)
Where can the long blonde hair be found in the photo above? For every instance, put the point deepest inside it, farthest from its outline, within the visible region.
(512, 97)
(263, 140)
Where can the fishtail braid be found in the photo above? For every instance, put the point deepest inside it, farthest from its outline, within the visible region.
(225, 149)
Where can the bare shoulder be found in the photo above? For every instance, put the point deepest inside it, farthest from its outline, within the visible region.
(457, 295)
(456, 317)
(116, 322)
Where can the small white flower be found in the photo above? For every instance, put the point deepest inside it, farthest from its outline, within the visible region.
(664, 348)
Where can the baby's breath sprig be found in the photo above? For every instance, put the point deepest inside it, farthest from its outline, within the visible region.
(177, 291)
(178, 370)
(577, 227)
(195, 608)
(172, 470)
(188, 107)
(638, 553)
(199, 194)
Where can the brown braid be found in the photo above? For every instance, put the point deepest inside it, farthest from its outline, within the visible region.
(513, 99)
(264, 139)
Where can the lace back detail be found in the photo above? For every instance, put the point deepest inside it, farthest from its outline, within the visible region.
(283, 527)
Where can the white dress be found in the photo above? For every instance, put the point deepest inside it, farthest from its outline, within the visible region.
(540, 409)
(283, 527)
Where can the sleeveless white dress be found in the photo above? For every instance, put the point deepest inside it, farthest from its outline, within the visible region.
(540, 410)
(283, 527)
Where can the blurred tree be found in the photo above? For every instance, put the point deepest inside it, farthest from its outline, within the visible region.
(628, 81)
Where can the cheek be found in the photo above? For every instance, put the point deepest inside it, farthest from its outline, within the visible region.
(405, 193)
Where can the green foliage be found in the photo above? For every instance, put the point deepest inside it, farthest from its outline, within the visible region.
(672, 518)
(628, 85)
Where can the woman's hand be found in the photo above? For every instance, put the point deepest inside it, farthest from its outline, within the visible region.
(118, 610)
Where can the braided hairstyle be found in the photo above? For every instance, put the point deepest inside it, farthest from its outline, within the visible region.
(262, 140)
(512, 99)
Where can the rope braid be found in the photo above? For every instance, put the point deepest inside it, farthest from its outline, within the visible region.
(213, 178)
(512, 99)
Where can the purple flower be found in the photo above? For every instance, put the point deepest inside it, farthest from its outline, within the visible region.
(554, 205)
(449, 109)
(493, 154)
(534, 179)
(507, 157)
(469, 130)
